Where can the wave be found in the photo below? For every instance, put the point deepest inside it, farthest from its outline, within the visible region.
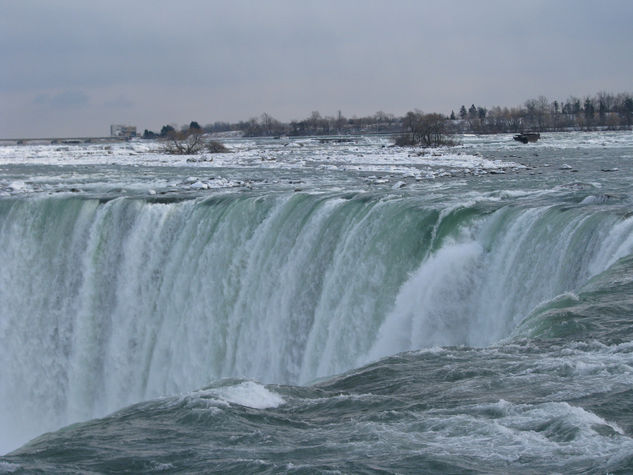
(381, 417)
(597, 310)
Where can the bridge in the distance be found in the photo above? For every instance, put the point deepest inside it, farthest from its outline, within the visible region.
(61, 140)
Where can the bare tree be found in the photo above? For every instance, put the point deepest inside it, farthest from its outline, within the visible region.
(427, 130)
(187, 142)
(213, 146)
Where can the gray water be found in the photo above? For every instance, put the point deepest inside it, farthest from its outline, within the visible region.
(299, 306)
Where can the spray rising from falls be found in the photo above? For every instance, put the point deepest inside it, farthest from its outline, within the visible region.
(108, 302)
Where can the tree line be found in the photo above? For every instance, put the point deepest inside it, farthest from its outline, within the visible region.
(603, 111)
(315, 124)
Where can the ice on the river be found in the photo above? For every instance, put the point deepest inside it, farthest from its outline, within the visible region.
(372, 155)
(247, 153)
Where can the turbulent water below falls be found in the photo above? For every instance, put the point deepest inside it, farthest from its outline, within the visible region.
(349, 309)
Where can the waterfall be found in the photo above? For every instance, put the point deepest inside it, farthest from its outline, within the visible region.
(107, 302)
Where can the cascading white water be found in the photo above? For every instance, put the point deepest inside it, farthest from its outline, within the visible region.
(106, 303)
(481, 284)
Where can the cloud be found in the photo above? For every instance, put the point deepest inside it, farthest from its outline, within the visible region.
(120, 102)
(62, 100)
(161, 61)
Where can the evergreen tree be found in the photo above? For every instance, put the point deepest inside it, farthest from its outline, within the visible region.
(472, 112)
(589, 109)
(627, 110)
(166, 129)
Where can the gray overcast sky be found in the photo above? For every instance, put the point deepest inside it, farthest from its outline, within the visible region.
(74, 67)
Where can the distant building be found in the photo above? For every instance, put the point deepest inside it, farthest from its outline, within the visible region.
(117, 130)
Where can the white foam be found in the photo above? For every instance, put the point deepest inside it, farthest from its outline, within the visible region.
(7, 467)
(549, 431)
(249, 394)
(431, 305)
(617, 244)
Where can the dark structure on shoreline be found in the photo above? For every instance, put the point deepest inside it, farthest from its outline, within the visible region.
(527, 137)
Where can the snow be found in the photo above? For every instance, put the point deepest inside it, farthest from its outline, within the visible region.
(135, 166)
(247, 153)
